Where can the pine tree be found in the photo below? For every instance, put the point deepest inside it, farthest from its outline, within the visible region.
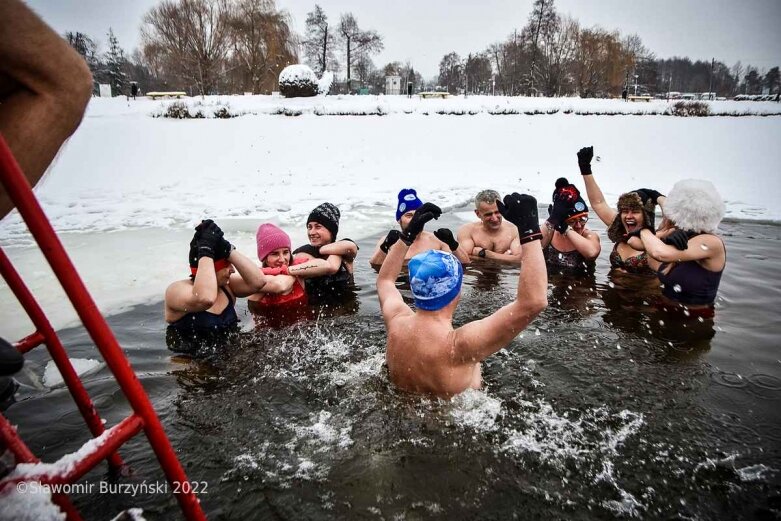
(115, 65)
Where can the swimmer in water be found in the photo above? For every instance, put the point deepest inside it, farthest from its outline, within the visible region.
(322, 227)
(442, 239)
(688, 256)
(567, 242)
(635, 212)
(492, 238)
(206, 301)
(424, 353)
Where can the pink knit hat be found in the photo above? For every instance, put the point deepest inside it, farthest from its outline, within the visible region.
(270, 238)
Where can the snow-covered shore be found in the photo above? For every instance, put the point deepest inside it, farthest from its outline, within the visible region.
(149, 180)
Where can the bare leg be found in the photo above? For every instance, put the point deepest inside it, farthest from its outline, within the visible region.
(44, 89)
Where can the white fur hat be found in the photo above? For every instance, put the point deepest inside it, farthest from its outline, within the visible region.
(694, 204)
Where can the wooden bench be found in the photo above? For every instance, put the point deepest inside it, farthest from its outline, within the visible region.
(441, 95)
(639, 98)
(173, 94)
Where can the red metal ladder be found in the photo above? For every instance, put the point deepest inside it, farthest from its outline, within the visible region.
(105, 442)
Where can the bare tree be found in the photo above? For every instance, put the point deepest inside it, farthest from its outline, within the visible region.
(357, 41)
(319, 41)
(190, 37)
(263, 44)
(451, 72)
(543, 22)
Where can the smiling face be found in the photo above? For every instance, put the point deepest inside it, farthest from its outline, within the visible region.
(632, 219)
(277, 258)
(318, 234)
(489, 215)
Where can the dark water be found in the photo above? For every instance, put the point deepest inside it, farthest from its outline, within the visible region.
(605, 408)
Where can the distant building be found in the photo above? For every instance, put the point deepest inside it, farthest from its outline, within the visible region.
(392, 85)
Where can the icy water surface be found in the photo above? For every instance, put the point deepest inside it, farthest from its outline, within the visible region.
(603, 409)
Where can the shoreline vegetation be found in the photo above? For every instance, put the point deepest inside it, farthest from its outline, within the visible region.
(225, 107)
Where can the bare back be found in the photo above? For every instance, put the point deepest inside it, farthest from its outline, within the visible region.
(421, 357)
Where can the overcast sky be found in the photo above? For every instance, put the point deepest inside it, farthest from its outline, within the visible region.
(422, 31)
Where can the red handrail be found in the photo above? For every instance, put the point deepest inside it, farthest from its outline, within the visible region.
(21, 194)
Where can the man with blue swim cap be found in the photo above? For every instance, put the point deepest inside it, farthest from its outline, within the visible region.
(442, 239)
(424, 353)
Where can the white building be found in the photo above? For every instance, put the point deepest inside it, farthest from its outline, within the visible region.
(392, 85)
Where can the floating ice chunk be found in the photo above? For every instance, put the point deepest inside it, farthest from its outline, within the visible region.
(82, 366)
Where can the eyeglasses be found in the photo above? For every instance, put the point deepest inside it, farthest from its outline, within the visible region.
(583, 220)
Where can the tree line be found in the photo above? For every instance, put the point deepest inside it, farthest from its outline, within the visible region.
(235, 46)
(552, 55)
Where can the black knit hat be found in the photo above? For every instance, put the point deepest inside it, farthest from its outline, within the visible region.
(328, 215)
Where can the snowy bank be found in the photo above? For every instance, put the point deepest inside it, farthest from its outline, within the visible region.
(148, 180)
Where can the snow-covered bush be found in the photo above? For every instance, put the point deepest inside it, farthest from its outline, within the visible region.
(690, 108)
(177, 110)
(324, 83)
(298, 81)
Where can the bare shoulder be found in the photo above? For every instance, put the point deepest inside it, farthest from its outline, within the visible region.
(510, 228)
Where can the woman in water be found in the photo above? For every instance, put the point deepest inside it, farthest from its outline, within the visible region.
(205, 302)
(322, 226)
(688, 256)
(285, 276)
(635, 211)
(567, 242)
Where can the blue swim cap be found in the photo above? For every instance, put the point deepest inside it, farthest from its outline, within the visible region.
(435, 278)
(408, 201)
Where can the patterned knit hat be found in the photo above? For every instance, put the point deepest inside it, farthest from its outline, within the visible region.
(328, 215)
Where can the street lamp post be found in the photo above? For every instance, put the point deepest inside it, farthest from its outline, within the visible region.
(636, 76)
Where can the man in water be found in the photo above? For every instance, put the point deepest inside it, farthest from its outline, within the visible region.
(442, 239)
(492, 237)
(44, 88)
(424, 353)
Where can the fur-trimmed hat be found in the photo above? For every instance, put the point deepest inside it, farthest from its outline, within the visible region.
(631, 201)
(695, 204)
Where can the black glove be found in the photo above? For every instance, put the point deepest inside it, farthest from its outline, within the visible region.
(647, 193)
(679, 239)
(446, 236)
(422, 215)
(557, 215)
(207, 237)
(521, 210)
(224, 249)
(585, 155)
(390, 240)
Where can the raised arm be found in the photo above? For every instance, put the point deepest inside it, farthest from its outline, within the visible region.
(249, 278)
(381, 251)
(183, 297)
(391, 303)
(595, 198)
(477, 340)
(44, 88)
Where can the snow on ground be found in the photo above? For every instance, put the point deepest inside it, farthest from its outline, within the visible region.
(127, 188)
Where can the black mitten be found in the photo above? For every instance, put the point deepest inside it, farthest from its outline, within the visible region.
(390, 240)
(521, 210)
(585, 155)
(422, 215)
(446, 236)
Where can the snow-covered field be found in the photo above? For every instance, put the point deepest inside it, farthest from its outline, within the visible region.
(127, 188)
